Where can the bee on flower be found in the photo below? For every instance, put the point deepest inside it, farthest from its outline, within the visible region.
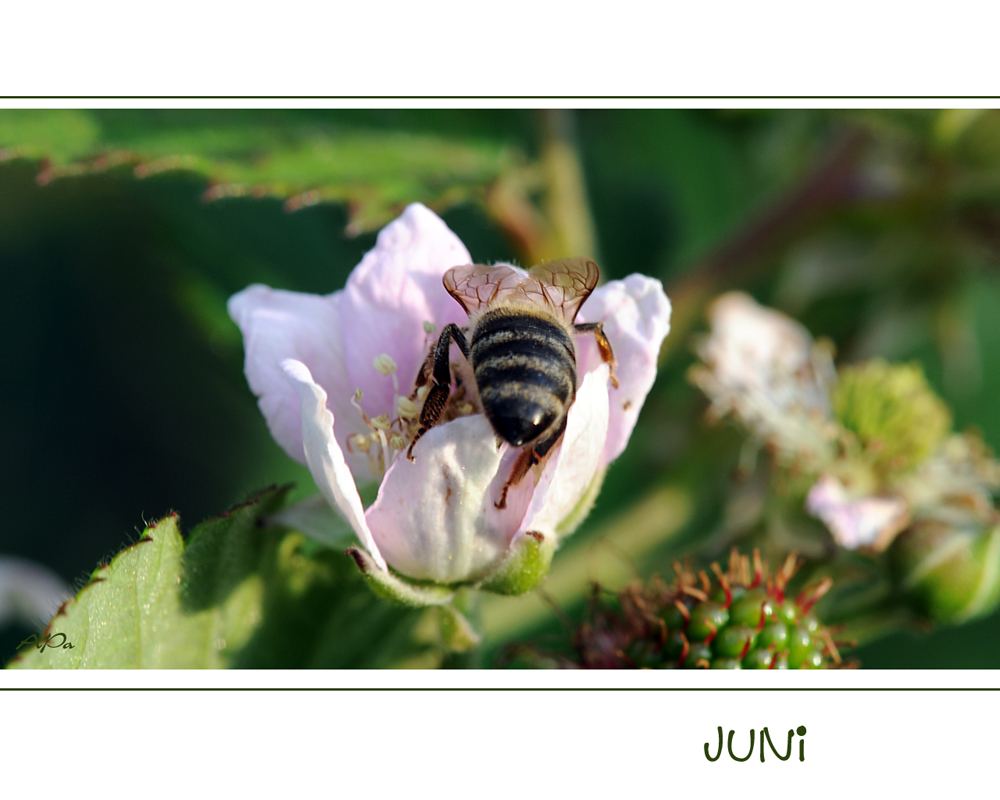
(349, 382)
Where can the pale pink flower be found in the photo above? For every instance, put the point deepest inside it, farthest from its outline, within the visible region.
(434, 519)
(764, 368)
(857, 520)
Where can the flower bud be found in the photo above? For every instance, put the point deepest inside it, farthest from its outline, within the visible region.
(948, 573)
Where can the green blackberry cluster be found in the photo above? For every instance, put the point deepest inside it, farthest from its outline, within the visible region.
(743, 619)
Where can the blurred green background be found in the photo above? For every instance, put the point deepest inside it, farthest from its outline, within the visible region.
(123, 232)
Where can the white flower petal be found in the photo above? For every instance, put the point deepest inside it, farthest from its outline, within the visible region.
(856, 521)
(434, 518)
(761, 351)
(324, 456)
(765, 368)
(636, 317)
(390, 294)
(279, 325)
(574, 463)
(29, 592)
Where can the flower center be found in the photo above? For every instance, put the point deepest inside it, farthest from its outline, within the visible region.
(388, 436)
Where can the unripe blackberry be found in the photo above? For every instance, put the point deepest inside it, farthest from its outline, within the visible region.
(740, 619)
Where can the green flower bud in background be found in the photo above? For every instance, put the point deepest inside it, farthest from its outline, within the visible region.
(896, 416)
(948, 573)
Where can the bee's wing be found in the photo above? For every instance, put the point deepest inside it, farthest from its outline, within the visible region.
(476, 285)
(565, 284)
(560, 285)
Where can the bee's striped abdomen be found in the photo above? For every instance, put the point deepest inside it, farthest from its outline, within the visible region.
(525, 370)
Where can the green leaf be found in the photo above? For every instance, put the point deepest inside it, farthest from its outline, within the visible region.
(302, 158)
(238, 594)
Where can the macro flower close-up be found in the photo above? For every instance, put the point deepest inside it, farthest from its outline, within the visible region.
(335, 377)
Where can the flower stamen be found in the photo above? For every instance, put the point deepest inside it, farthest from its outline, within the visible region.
(406, 408)
(385, 458)
(386, 367)
(360, 442)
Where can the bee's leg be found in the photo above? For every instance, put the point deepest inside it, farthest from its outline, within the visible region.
(528, 458)
(603, 345)
(427, 367)
(424, 374)
(437, 397)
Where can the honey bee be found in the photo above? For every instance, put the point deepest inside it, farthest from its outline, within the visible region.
(519, 343)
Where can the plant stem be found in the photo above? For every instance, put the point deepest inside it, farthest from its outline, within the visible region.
(564, 226)
(566, 204)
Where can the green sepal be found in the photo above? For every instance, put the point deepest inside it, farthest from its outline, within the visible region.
(392, 587)
(457, 632)
(525, 565)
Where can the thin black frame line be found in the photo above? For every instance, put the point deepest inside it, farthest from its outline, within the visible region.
(499, 97)
(494, 689)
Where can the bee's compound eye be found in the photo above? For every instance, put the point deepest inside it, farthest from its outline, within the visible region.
(518, 421)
